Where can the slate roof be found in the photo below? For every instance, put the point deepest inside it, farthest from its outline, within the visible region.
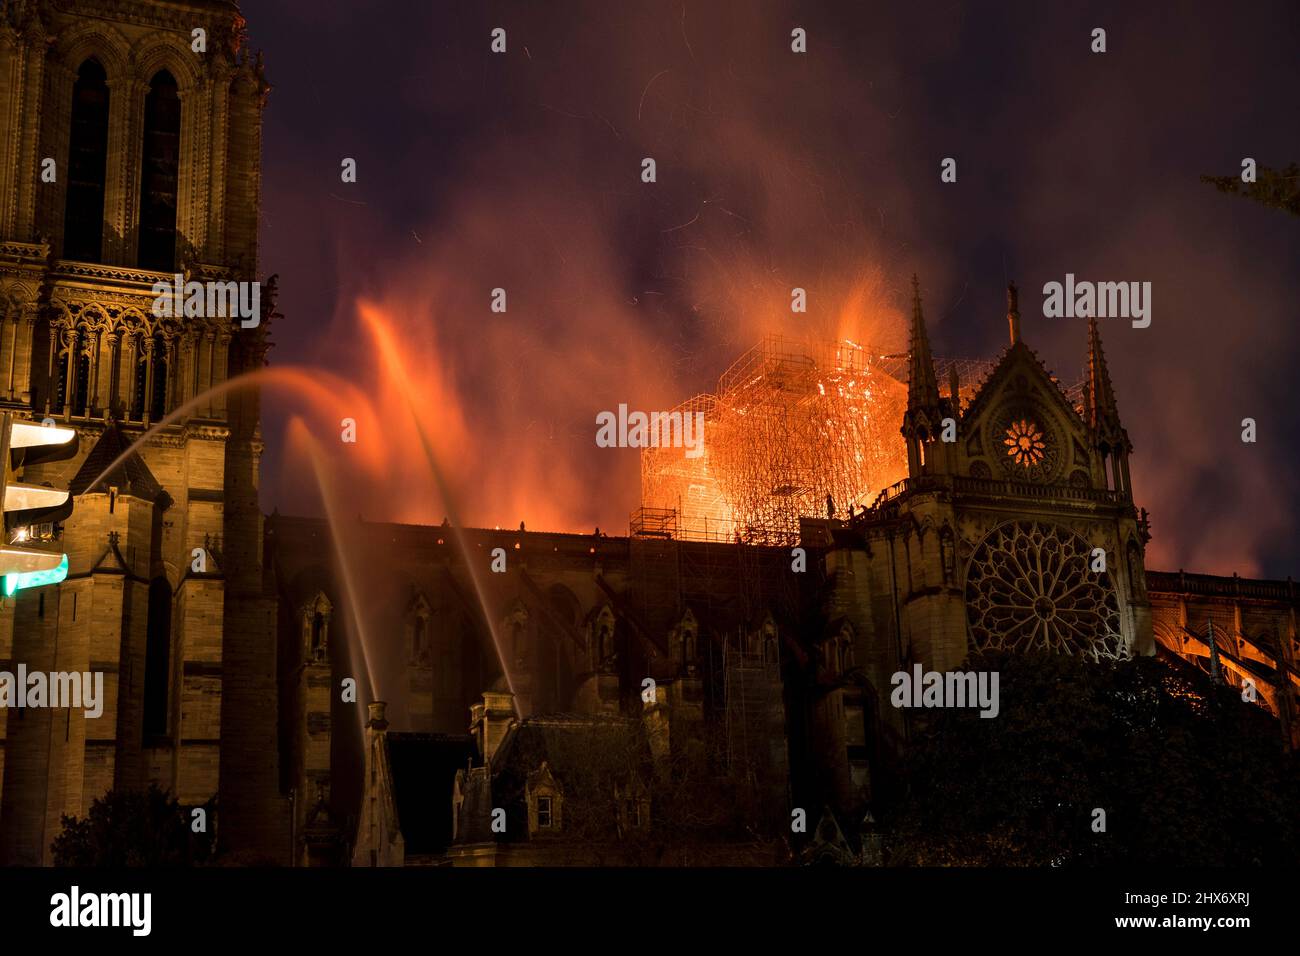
(132, 476)
(587, 754)
(423, 768)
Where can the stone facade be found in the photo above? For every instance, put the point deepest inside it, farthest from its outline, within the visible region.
(162, 143)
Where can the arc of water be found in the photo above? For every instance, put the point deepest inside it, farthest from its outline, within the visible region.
(391, 357)
(313, 381)
(299, 432)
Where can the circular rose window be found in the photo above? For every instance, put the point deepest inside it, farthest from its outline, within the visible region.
(1025, 445)
(1030, 587)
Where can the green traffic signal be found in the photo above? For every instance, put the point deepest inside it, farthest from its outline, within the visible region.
(34, 579)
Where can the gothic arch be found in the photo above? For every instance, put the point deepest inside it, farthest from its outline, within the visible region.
(166, 51)
(316, 615)
(18, 295)
(1167, 635)
(602, 627)
(99, 41)
(684, 642)
(87, 175)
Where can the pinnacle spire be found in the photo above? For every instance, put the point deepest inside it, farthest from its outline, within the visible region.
(1013, 312)
(1215, 672)
(922, 387)
(1101, 395)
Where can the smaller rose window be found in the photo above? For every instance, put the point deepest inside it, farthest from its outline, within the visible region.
(1024, 442)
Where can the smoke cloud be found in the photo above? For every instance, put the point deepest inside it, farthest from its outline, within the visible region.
(774, 170)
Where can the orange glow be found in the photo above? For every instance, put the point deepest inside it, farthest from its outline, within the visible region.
(790, 424)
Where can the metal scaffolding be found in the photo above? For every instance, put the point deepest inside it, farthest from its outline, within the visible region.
(791, 423)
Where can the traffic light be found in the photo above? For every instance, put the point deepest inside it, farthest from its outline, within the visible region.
(31, 511)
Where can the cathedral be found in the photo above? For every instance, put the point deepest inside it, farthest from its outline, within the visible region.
(543, 715)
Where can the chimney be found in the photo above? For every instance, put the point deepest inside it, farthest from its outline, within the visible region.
(375, 712)
(492, 719)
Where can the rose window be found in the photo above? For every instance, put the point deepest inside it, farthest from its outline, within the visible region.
(1030, 587)
(1024, 441)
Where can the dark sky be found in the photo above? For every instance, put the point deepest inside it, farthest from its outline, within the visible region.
(778, 170)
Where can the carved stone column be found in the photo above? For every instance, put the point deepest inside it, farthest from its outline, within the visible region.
(70, 371)
(129, 362)
(9, 317)
(50, 381)
(92, 380)
(28, 345)
(148, 381)
(114, 372)
(171, 401)
(222, 364)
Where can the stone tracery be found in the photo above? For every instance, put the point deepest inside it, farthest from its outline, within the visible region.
(1029, 587)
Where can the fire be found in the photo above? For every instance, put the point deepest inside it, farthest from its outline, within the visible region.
(790, 424)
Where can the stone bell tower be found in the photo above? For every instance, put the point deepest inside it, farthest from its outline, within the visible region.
(130, 142)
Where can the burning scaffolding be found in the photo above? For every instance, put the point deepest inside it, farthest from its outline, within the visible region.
(790, 424)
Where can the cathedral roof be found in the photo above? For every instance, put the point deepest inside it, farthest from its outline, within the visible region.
(131, 476)
(1018, 355)
(583, 752)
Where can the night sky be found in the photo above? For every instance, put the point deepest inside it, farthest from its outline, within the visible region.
(777, 170)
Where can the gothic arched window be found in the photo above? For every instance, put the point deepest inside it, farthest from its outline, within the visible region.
(317, 633)
(316, 627)
(83, 212)
(158, 173)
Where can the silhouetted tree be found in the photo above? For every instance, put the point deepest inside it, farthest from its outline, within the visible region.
(134, 828)
(1185, 771)
(1277, 188)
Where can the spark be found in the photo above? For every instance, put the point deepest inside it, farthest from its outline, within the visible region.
(645, 91)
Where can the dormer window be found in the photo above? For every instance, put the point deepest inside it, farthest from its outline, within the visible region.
(545, 801)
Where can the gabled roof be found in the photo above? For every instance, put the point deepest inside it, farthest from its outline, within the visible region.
(1019, 354)
(131, 476)
(585, 754)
